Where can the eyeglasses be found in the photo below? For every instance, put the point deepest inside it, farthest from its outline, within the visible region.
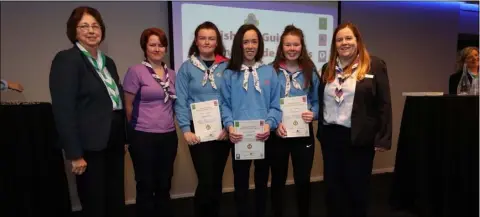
(86, 27)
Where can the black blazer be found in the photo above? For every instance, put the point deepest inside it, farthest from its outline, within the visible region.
(82, 108)
(454, 80)
(372, 109)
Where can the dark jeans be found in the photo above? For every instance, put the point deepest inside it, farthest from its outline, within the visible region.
(153, 156)
(241, 173)
(347, 172)
(302, 150)
(209, 159)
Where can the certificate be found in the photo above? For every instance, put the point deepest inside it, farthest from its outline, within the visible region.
(206, 120)
(249, 148)
(292, 109)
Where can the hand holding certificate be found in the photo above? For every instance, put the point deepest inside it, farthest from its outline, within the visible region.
(206, 120)
(248, 147)
(292, 119)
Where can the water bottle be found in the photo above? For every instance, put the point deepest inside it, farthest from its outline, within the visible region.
(474, 86)
(463, 87)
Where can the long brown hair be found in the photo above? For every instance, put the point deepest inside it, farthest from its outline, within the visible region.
(364, 57)
(304, 60)
(236, 58)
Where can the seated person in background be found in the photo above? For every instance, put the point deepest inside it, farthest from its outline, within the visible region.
(469, 56)
(5, 85)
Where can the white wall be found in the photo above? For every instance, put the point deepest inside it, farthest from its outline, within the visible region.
(33, 32)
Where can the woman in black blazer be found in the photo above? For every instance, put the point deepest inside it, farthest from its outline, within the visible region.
(469, 57)
(354, 120)
(89, 116)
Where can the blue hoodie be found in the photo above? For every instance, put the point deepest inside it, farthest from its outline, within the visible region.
(189, 88)
(239, 104)
(311, 92)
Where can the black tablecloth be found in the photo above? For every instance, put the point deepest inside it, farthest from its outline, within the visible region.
(33, 176)
(436, 167)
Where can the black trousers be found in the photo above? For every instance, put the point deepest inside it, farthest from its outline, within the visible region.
(101, 187)
(241, 181)
(302, 150)
(209, 159)
(347, 172)
(153, 156)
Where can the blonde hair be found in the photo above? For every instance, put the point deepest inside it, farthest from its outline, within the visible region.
(462, 55)
(363, 55)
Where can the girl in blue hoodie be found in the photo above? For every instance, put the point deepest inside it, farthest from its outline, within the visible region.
(199, 79)
(297, 77)
(250, 91)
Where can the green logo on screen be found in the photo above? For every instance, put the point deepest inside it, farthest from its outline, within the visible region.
(251, 19)
(322, 23)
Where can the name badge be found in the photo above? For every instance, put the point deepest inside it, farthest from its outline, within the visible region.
(368, 76)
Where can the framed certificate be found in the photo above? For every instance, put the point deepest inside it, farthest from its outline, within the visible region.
(249, 148)
(206, 120)
(292, 109)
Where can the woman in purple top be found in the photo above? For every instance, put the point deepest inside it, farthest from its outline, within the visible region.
(149, 98)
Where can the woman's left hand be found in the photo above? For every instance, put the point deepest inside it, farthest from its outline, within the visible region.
(307, 116)
(266, 133)
(223, 135)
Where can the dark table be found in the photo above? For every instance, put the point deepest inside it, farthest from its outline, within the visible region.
(33, 179)
(436, 166)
